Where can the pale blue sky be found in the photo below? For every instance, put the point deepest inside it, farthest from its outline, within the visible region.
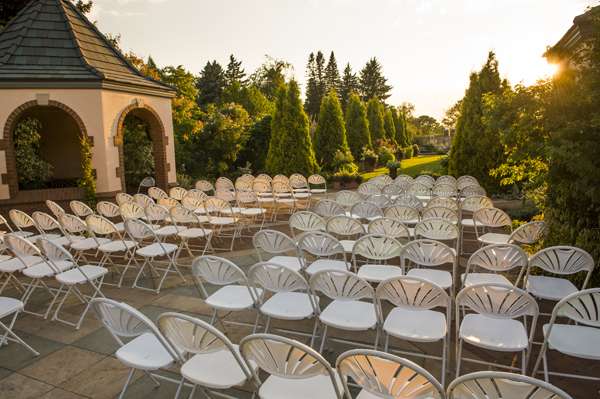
(427, 47)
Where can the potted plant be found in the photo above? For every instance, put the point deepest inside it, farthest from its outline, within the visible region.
(394, 167)
(368, 159)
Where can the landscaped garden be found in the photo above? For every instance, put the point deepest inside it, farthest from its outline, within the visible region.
(240, 234)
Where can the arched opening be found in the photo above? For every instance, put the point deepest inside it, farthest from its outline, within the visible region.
(47, 148)
(141, 141)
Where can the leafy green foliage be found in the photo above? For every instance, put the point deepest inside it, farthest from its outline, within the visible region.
(249, 97)
(270, 76)
(210, 84)
(389, 126)
(357, 126)
(137, 151)
(349, 85)
(332, 75)
(254, 151)
(372, 82)
(234, 74)
(330, 135)
(290, 147)
(32, 170)
(375, 114)
(88, 180)
(315, 84)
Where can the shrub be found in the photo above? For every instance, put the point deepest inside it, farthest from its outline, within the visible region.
(137, 151)
(185, 181)
(32, 170)
(385, 155)
(369, 158)
(415, 148)
(408, 152)
(343, 160)
(393, 167)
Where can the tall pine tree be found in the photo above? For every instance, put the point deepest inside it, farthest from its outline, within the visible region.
(330, 135)
(332, 75)
(389, 126)
(349, 84)
(375, 115)
(290, 147)
(357, 126)
(235, 74)
(315, 84)
(210, 84)
(372, 82)
(474, 147)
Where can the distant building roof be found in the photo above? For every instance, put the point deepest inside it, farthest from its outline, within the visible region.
(577, 34)
(50, 43)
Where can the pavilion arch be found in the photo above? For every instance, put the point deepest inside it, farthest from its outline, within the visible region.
(158, 136)
(65, 131)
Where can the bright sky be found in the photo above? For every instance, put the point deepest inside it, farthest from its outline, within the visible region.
(427, 47)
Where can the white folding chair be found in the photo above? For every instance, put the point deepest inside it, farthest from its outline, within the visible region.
(141, 345)
(446, 179)
(146, 183)
(276, 243)
(295, 370)
(251, 211)
(409, 200)
(376, 252)
(444, 190)
(143, 233)
(346, 229)
(439, 229)
(221, 216)
(488, 219)
(110, 243)
(37, 269)
(304, 221)
(205, 186)
(347, 198)
(56, 209)
(501, 385)
(466, 181)
(189, 229)
(11, 267)
(284, 198)
(328, 208)
(368, 188)
(291, 297)
(440, 212)
(413, 318)
(405, 214)
(354, 306)
(425, 257)
(444, 202)
(50, 229)
(473, 189)
(382, 375)
(321, 251)
(425, 180)
(493, 325)
(392, 190)
(468, 206)
(391, 228)
(177, 193)
(299, 183)
(381, 200)
(12, 307)
(403, 179)
(122, 198)
(317, 184)
(559, 261)
(224, 184)
(77, 231)
(579, 337)
(143, 200)
(495, 261)
(71, 280)
(157, 193)
(213, 361)
(419, 190)
(235, 293)
(112, 212)
(80, 209)
(366, 211)
(158, 215)
(22, 222)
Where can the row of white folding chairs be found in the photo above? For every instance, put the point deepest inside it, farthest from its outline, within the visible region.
(315, 184)
(461, 183)
(48, 260)
(356, 306)
(293, 369)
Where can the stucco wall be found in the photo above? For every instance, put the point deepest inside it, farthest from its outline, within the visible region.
(99, 111)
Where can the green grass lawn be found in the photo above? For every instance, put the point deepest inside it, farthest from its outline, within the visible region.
(412, 167)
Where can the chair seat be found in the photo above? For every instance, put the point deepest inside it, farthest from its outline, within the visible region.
(89, 243)
(349, 315)
(326, 264)
(215, 370)
(252, 211)
(494, 238)
(289, 262)
(43, 269)
(22, 233)
(232, 297)
(575, 340)
(194, 232)
(9, 306)
(120, 227)
(117, 246)
(318, 190)
(144, 352)
(231, 211)
(222, 220)
(481, 278)
(416, 325)
(156, 249)
(348, 245)
(301, 195)
(505, 335)
(81, 275)
(378, 273)
(319, 386)
(439, 277)
(14, 264)
(65, 241)
(169, 230)
(289, 306)
(467, 223)
(550, 288)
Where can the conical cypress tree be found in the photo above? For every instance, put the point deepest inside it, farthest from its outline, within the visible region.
(357, 126)
(295, 154)
(375, 117)
(389, 126)
(330, 135)
(275, 156)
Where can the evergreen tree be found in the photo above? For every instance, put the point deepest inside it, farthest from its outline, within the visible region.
(349, 84)
(375, 115)
(269, 77)
(330, 135)
(402, 129)
(211, 84)
(357, 126)
(389, 125)
(235, 74)
(290, 147)
(372, 82)
(332, 75)
(315, 84)
(475, 149)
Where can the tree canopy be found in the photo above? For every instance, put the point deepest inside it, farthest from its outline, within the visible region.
(330, 135)
(375, 115)
(357, 126)
(372, 82)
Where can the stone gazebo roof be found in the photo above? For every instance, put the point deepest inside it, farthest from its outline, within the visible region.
(51, 44)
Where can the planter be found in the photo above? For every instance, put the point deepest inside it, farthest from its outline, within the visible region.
(369, 164)
(393, 173)
(345, 185)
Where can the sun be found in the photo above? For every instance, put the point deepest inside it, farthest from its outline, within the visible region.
(536, 70)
